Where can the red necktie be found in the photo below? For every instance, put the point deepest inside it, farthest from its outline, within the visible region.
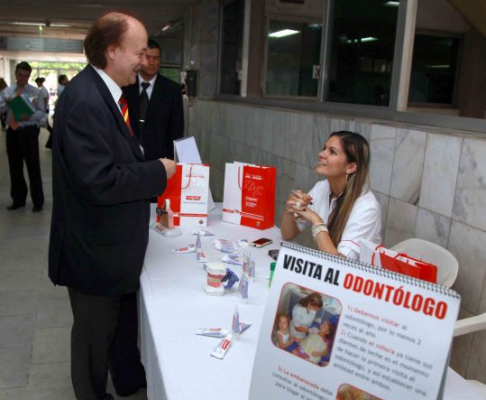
(124, 110)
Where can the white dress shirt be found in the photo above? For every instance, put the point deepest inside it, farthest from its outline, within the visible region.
(33, 94)
(364, 222)
(150, 88)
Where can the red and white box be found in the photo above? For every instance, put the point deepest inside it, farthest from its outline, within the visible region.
(188, 191)
(249, 195)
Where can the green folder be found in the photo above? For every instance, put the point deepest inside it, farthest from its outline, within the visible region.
(21, 105)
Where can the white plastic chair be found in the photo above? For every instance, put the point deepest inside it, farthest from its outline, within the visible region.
(447, 265)
(470, 325)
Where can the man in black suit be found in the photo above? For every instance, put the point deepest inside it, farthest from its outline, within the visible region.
(156, 111)
(99, 228)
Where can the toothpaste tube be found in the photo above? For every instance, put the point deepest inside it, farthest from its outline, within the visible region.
(235, 323)
(222, 348)
(184, 250)
(201, 257)
(232, 259)
(202, 232)
(225, 246)
(243, 287)
(212, 332)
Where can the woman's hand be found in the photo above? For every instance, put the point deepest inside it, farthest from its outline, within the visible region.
(297, 199)
(308, 214)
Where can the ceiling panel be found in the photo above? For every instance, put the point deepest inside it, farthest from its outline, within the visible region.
(72, 18)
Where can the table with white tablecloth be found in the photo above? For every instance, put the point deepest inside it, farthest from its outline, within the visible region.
(173, 305)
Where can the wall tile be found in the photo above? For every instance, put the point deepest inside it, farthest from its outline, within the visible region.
(321, 129)
(408, 165)
(467, 245)
(470, 198)
(382, 148)
(253, 126)
(301, 148)
(440, 173)
(432, 227)
(400, 222)
(279, 133)
(383, 200)
(267, 129)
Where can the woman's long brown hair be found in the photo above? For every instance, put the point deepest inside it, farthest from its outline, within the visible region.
(357, 150)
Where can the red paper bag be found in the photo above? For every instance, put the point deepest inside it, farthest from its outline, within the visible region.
(249, 195)
(188, 192)
(409, 266)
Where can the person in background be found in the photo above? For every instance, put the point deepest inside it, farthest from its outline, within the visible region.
(62, 81)
(341, 208)
(3, 115)
(23, 140)
(155, 104)
(45, 94)
(101, 209)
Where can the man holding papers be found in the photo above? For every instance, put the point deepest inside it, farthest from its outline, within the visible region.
(25, 112)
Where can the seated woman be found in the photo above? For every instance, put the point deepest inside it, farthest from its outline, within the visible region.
(341, 208)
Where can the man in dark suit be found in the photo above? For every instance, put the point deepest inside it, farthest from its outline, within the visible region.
(156, 112)
(99, 229)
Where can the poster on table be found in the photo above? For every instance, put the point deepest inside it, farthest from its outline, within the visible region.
(335, 329)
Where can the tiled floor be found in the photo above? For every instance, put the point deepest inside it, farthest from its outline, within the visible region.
(35, 317)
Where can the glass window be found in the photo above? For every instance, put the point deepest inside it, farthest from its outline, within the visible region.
(233, 15)
(434, 69)
(362, 47)
(293, 54)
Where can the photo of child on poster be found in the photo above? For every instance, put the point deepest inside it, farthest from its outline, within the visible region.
(305, 323)
(348, 392)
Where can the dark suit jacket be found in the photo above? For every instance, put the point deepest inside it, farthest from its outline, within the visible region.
(164, 121)
(101, 187)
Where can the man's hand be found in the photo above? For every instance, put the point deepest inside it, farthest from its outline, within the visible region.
(170, 166)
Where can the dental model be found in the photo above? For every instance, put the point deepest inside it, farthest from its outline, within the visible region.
(216, 272)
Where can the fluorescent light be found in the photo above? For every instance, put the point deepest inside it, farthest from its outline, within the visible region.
(363, 40)
(440, 66)
(369, 39)
(392, 4)
(43, 23)
(283, 33)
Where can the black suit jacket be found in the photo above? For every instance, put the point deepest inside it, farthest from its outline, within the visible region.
(101, 187)
(164, 121)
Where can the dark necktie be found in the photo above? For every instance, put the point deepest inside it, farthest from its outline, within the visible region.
(124, 110)
(143, 103)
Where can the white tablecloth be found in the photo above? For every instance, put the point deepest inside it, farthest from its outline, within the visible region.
(173, 305)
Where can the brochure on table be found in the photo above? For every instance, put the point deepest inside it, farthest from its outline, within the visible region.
(377, 336)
